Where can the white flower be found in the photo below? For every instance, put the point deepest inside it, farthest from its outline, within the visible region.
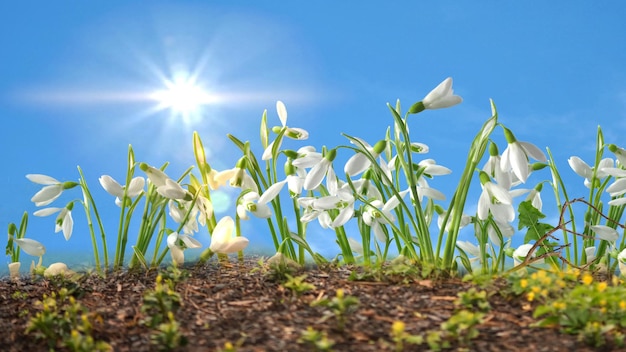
(465, 220)
(621, 259)
(63, 221)
(290, 132)
(165, 186)
(378, 214)
(236, 177)
(431, 168)
(505, 231)
(605, 233)
(580, 167)
(316, 174)
(135, 187)
(492, 168)
(590, 253)
(307, 157)
(177, 244)
(620, 153)
(178, 211)
(222, 240)
(516, 155)
(250, 202)
(31, 247)
(442, 96)
(519, 255)
(355, 246)
(359, 162)
(496, 199)
(51, 191)
(470, 249)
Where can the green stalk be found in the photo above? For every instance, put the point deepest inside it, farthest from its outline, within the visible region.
(477, 150)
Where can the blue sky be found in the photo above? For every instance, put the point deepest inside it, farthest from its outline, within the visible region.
(75, 75)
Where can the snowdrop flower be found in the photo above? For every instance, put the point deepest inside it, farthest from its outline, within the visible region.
(499, 231)
(580, 167)
(519, 255)
(359, 162)
(64, 221)
(492, 168)
(378, 214)
(307, 157)
(605, 167)
(290, 132)
(431, 168)
(135, 187)
(237, 177)
(472, 250)
(590, 253)
(620, 153)
(178, 211)
(516, 155)
(534, 195)
(440, 97)
(250, 202)
(621, 259)
(222, 240)
(355, 246)
(365, 187)
(465, 219)
(165, 186)
(605, 233)
(177, 244)
(316, 174)
(496, 200)
(51, 191)
(31, 247)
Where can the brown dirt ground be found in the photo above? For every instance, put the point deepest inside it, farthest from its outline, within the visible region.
(254, 312)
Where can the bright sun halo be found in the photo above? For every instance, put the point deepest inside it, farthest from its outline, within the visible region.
(183, 97)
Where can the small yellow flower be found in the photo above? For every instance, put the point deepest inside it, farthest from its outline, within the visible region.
(397, 327)
(535, 289)
(587, 279)
(523, 283)
(622, 305)
(602, 286)
(530, 296)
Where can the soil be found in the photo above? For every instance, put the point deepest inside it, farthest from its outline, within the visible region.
(251, 309)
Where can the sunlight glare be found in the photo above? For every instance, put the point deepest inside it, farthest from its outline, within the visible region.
(183, 97)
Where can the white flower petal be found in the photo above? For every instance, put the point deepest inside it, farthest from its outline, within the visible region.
(282, 112)
(31, 247)
(42, 179)
(111, 186)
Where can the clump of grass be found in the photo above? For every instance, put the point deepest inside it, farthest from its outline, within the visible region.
(339, 306)
(65, 323)
(159, 308)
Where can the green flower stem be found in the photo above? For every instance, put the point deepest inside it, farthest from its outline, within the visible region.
(402, 146)
(88, 202)
(300, 228)
(342, 240)
(557, 182)
(455, 212)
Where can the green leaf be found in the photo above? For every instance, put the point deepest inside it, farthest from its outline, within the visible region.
(529, 218)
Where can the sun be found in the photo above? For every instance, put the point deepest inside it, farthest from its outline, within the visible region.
(183, 97)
